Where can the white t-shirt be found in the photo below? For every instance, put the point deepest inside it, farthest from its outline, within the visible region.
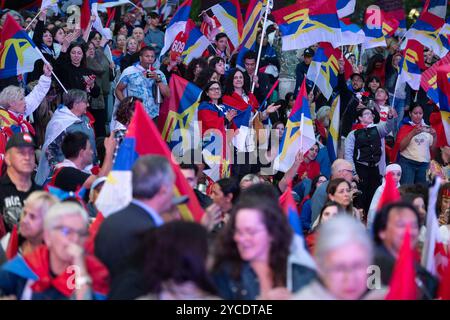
(419, 148)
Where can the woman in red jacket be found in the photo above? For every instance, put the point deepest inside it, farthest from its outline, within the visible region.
(237, 97)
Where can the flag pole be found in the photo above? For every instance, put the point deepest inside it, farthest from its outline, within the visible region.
(315, 80)
(53, 73)
(302, 121)
(35, 17)
(268, 6)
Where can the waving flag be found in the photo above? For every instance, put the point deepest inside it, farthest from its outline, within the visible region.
(228, 13)
(411, 64)
(111, 3)
(176, 25)
(299, 132)
(196, 44)
(436, 7)
(434, 258)
(373, 29)
(178, 116)
(287, 203)
(389, 24)
(352, 34)
(428, 81)
(396, 10)
(333, 131)
(48, 3)
(444, 39)
(116, 193)
(18, 53)
(428, 26)
(324, 69)
(403, 281)
(345, 7)
(308, 22)
(443, 83)
(248, 37)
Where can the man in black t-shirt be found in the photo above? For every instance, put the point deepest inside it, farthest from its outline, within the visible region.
(16, 184)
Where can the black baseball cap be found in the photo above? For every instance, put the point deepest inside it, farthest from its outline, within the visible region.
(308, 52)
(20, 140)
(357, 74)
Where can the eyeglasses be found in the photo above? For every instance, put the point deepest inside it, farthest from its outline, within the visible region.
(347, 170)
(367, 114)
(340, 270)
(214, 89)
(68, 232)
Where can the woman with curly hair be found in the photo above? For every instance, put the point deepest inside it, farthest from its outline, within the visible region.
(252, 256)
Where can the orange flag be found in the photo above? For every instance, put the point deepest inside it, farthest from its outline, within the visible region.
(403, 284)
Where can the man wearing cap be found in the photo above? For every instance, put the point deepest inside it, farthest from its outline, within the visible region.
(302, 68)
(119, 236)
(352, 99)
(16, 184)
(154, 37)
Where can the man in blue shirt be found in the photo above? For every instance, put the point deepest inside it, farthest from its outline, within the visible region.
(154, 37)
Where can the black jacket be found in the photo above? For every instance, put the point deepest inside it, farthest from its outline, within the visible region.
(116, 243)
(386, 262)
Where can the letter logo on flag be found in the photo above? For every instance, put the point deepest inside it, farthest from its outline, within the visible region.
(179, 114)
(324, 69)
(117, 193)
(308, 22)
(18, 53)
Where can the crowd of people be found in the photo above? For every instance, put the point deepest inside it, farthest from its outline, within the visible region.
(57, 147)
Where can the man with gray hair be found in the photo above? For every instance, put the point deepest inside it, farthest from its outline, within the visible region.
(71, 117)
(119, 236)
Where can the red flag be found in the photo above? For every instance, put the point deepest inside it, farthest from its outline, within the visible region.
(287, 203)
(390, 193)
(85, 14)
(13, 244)
(403, 284)
(444, 284)
(142, 127)
(93, 230)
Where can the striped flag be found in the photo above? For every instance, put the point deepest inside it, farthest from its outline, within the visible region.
(196, 44)
(228, 13)
(117, 193)
(176, 25)
(373, 29)
(443, 83)
(345, 7)
(333, 131)
(308, 22)
(287, 203)
(18, 53)
(324, 69)
(352, 34)
(299, 133)
(411, 64)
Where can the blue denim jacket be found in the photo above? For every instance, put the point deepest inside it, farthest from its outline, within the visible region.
(247, 288)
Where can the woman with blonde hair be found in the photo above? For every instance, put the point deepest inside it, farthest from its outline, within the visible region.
(31, 225)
